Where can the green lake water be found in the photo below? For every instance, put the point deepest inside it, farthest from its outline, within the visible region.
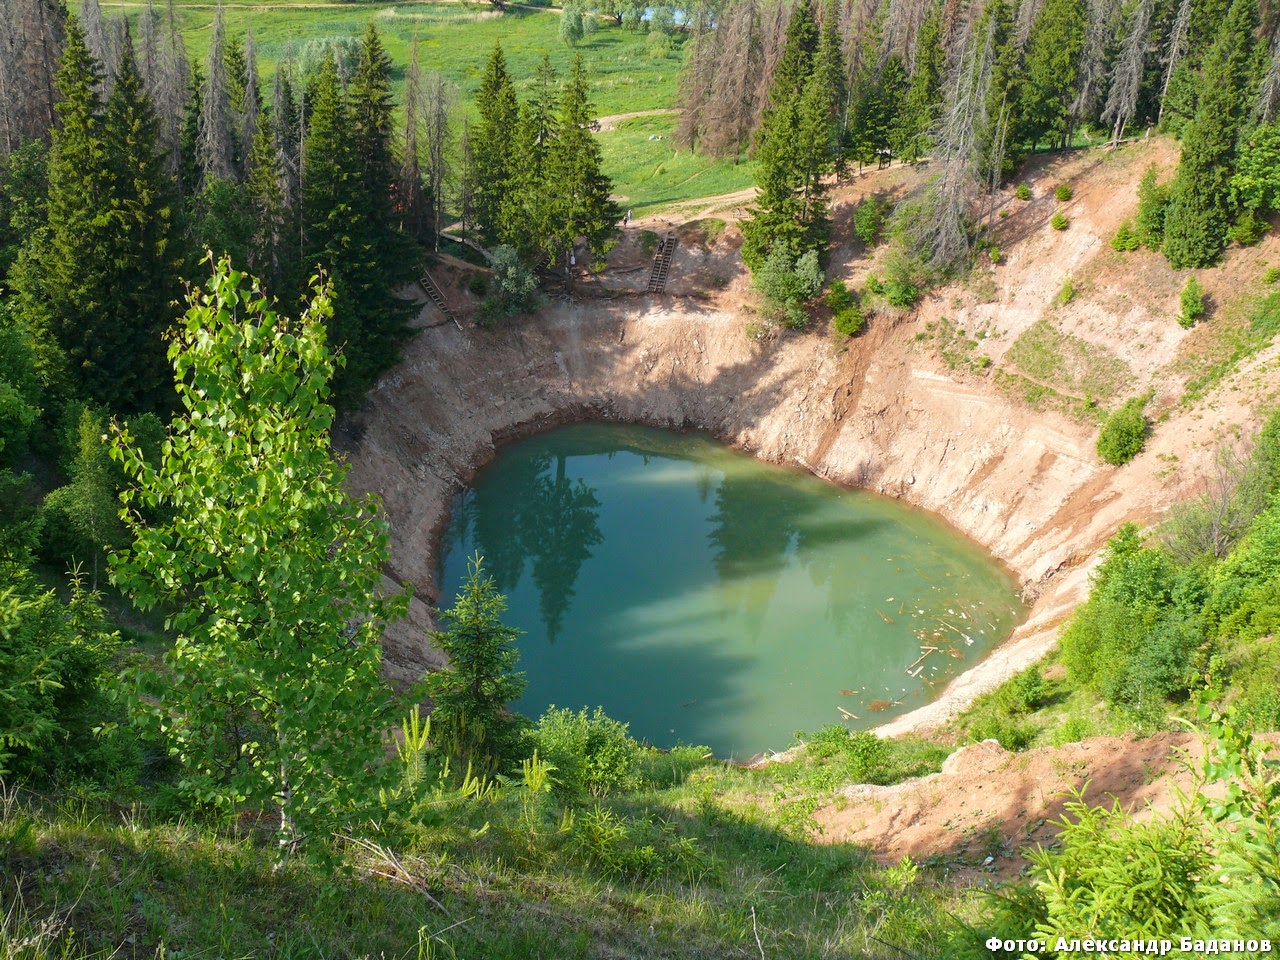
(705, 597)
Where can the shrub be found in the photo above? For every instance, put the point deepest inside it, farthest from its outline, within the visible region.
(478, 284)
(1067, 293)
(1064, 192)
(1192, 303)
(868, 220)
(1022, 693)
(514, 288)
(1248, 229)
(1153, 199)
(1124, 432)
(1059, 221)
(1009, 733)
(1023, 192)
(1074, 729)
(592, 754)
(788, 283)
(1272, 275)
(995, 254)
(1126, 238)
(847, 314)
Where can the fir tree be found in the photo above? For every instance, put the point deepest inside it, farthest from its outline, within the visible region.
(923, 101)
(580, 205)
(1199, 212)
(796, 65)
(269, 247)
(348, 231)
(1053, 53)
(490, 140)
(526, 218)
(98, 279)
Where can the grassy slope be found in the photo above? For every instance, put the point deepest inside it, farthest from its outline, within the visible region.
(520, 889)
(456, 39)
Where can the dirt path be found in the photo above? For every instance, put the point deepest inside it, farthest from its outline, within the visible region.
(987, 804)
(611, 121)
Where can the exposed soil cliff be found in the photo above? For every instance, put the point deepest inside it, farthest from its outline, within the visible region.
(997, 446)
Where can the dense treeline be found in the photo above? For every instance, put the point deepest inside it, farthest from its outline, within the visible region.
(811, 87)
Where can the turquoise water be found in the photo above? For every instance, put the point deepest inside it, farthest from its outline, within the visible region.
(705, 597)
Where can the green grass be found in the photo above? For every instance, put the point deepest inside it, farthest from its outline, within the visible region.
(1248, 325)
(454, 38)
(1071, 364)
(653, 174)
(736, 863)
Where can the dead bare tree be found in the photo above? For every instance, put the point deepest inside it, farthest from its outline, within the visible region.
(216, 147)
(1126, 73)
(943, 235)
(1098, 34)
(1268, 105)
(251, 109)
(410, 201)
(31, 37)
(735, 104)
(439, 98)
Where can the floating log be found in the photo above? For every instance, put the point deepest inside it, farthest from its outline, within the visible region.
(925, 652)
(884, 616)
(848, 715)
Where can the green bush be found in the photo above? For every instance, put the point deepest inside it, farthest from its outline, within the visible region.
(1272, 275)
(1248, 229)
(1064, 192)
(1074, 729)
(1192, 303)
(1022, 693)
(1124, 432)
(1153, 200)
(1059, 221)
(1023, 192)
(868, 221)
(514, 291)
(1126, 238)
(592, 754)
(478, 284)
(846, 312)
(1067, 292)
(995, 254)
(788, 283)
(1009, 733)
(858, 757)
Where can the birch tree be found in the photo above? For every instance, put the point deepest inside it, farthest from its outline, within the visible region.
(273, 571)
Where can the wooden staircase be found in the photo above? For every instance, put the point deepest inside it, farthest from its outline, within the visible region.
(437, 297)
(662, 263)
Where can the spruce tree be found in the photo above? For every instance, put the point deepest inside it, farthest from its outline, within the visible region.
(923, 101)
(796, 64)
(348, 228)
(1053, 52)
(493, 161)
(580, 205)
(792, 151)
(269, 248)
(1199, 212)
(99, 279)
(526, 221)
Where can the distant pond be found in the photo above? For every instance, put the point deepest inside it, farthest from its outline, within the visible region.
(705, 597)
